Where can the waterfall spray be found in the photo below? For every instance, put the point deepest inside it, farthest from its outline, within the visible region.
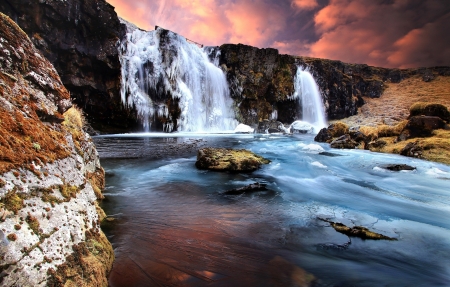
(160, 64)
(312, 106)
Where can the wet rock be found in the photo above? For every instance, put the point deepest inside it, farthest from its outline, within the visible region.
(221, 159)
(412, 150)
(324, 136)
(244, 129)
(271, 127)
(399, 167)
(421, 126)
(248, 188)
(357, 231)
(301, 127)
(344, 141)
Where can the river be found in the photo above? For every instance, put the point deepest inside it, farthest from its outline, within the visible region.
(173, 226)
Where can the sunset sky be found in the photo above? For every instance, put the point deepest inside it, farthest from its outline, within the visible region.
(387, 33)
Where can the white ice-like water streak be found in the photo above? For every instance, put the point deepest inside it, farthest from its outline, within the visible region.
(306, 89)
(159, 65)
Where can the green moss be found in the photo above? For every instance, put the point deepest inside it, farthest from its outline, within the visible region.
(33, 223)
(13, 201)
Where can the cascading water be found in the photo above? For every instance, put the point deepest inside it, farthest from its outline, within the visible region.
(312, 106)
(160, 65)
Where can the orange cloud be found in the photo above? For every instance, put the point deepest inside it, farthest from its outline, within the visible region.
(395, 33)
(305, 4)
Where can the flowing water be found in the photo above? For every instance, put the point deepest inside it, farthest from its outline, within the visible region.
(307, 90)
(174, 226)
(160, 65)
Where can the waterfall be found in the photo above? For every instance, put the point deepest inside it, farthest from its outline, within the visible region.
(160, 67)
(312, 106)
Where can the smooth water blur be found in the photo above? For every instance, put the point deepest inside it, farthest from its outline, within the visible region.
(174, 225)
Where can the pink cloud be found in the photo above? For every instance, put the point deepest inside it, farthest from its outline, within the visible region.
(397, 33)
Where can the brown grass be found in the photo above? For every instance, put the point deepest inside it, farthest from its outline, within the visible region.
(394, 104)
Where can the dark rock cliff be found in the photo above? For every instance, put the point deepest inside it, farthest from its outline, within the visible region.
(261, 81)
(80, 39)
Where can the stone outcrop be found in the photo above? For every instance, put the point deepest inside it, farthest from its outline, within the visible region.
(50, 176)
(80, 38)
(261, 82)
(421, 126)
(222, 159)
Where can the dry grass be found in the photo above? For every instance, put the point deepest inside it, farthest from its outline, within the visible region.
(339, 129)
(393, 106)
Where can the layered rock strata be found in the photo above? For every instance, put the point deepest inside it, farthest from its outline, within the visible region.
(50, 176)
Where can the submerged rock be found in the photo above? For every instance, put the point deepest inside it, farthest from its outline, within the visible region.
(222, 159)
(248, 188)
(357, 231)
(399, 167)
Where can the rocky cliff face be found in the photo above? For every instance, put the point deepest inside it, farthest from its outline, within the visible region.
(50, 176)
(80, 38)
(261, 82)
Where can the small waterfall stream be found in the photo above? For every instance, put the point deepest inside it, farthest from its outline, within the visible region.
(312, 106)
(160, 65)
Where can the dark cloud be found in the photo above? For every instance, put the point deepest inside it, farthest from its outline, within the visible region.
(390, 33)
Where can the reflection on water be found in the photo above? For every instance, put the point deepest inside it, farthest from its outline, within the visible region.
(174, 227)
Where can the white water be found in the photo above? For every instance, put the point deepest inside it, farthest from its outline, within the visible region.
(160, 63)
(312, 106)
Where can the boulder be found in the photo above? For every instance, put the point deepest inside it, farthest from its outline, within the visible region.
(412, 150)
(301, 127)
(324, 136)
(344, 141)
(432, 110)
(244, 129)
(421, 126)
(222, 159)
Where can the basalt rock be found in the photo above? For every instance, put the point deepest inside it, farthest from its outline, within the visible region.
(399, 167)
(271, 127)
(80, 39)
(222, 159)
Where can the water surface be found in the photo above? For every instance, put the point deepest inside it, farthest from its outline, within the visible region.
(174, 227)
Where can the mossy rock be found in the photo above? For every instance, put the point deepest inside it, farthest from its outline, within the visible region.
(430, 109)
(222, 159)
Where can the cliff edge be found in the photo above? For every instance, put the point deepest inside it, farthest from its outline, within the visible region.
(50, 176)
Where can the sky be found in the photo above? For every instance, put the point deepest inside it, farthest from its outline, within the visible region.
(385, 33)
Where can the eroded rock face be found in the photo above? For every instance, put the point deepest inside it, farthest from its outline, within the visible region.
(222, 159)
(50, 176)
(80, 38)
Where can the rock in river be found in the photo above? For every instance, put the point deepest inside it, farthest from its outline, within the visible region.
(222, 159)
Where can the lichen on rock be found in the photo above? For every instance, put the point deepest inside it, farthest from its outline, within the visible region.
(48, 174)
